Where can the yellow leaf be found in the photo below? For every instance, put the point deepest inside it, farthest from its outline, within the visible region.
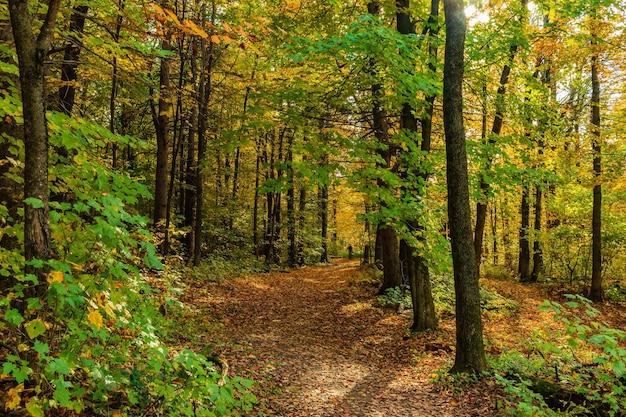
(56, 276)
(215, 39)
(13, 397)
(226, 27)
(95, 318)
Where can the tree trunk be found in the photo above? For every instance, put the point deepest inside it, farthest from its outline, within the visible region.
(323, 215)
(67, 92)
(189, 194)
(32, 50)
(523, 265)
(424, 317)
(204, 94)
(162, 126)
(537, 253)
(481, 205)
(392, 273)
(301, 223)
(470, 353)
(596, 293)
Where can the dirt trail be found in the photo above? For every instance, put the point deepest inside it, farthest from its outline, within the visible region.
(319, 346)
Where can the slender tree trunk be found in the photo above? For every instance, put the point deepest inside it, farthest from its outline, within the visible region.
(470, 353)
(115, 83)
(32, 49)
(481, 205)
(291, 210)
(255, 210)
(323, 214)
(161, 118)
(67, 92)
(204, 92)
(537, 253)
(596, 292)
(523, 265)
(424, 317)
(301, 223)
(378, 247)
(367, 248)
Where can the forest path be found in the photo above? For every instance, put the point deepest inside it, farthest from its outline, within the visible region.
(318, 345)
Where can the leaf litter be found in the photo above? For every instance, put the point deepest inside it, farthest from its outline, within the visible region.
(317, 344)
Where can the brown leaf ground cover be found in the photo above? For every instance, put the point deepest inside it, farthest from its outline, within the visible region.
(317, 343)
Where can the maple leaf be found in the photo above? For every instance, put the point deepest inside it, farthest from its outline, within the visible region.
(95, 318)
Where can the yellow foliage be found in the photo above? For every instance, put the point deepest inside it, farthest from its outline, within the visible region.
(13, 397)
(55, 276)
(95, 318)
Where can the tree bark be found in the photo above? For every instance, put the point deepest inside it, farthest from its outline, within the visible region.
(470, 353)
(32, 49)
(392, 273)
(596, 292)
(424, 317)
(162, 126)
(204, 94)
(323, 215)
(537, 252)
(69, 76)
(523, 265)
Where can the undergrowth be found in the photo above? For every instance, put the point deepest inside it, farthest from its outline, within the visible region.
(576, 369)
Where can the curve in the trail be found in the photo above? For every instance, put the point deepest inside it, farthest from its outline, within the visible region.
(320, 346)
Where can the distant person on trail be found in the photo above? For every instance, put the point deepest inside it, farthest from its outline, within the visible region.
(349, 251)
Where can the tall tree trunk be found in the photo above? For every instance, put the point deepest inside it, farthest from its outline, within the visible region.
(537, 253)
(424, 317)
(67, 92)
(189, 194)
(301, 223)
(523, 265)
(470, 353)
(291, 209)
(32, 49)
(115, 83)
(162, 125)
(323, 214)
(255, 210)
(392, 273)
(367, 248)
(596, 292)
(481, 205)
(204, 93)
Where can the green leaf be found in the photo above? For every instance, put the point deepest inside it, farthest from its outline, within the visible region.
(58, 366)
(34, 408)
(34, 202)
(41, 348)
(13, 316)
(35, 328)
(62, 395)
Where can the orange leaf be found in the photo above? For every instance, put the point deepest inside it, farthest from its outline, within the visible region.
(56, 276)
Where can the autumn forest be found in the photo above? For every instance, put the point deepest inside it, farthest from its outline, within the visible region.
(312, 208)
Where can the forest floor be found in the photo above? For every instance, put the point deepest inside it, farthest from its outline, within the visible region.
(317, 343)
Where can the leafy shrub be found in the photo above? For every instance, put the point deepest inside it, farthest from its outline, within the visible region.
(584, 357)
(92, 342)
(394, 297)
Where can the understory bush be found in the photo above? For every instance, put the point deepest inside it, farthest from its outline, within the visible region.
(93, 341)
(578, 368)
